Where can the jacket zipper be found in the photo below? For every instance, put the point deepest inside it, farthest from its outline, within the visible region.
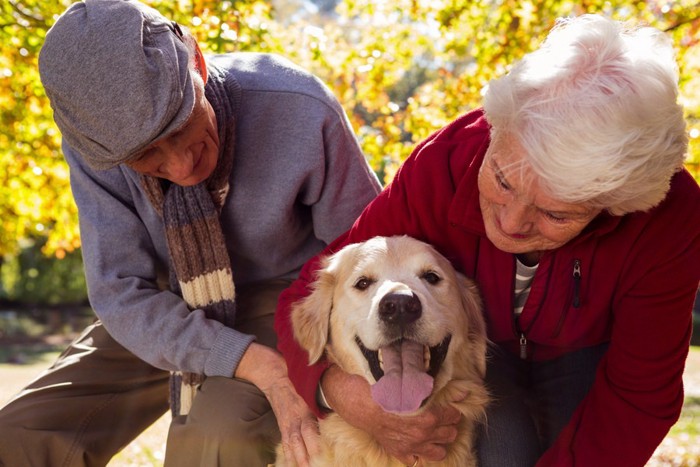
(575, 297)
(521, 334)
(576, 302)
(577, 283)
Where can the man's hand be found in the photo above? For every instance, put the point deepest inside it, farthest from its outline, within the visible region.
(266, 368)
(424, 435)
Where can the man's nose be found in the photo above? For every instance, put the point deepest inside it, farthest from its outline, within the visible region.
(177, 165)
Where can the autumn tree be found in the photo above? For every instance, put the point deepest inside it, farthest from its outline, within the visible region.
(401, 69)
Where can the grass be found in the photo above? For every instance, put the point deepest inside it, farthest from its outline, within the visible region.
(689, 423)
(681, 447)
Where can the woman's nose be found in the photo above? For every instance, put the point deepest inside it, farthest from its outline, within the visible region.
(516, 217)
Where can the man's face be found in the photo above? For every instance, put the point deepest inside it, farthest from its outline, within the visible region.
(187, 156)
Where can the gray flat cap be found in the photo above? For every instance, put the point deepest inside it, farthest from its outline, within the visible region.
(117, 75)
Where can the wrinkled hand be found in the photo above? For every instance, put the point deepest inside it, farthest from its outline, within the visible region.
(266, 368)
(425, 434)
(298, 425)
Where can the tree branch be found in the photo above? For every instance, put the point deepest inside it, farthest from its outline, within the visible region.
(686, 20)
(16, 6)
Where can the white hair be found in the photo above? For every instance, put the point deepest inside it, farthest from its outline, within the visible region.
(595, 109)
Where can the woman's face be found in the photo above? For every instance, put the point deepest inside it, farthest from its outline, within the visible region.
(519, 216)
(188, 155)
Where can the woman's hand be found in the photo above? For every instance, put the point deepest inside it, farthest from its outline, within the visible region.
(425, 435)
(266, 369)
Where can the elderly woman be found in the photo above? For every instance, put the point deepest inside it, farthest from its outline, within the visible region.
(565, 197)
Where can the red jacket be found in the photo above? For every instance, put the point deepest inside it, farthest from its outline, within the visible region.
(638, 278)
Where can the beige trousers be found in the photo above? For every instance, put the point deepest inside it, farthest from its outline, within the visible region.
(98, 397)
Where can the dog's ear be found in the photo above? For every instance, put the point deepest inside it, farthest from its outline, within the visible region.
(471, 299)
(310, 316)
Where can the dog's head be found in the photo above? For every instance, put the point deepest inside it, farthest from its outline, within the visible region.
(393, 310)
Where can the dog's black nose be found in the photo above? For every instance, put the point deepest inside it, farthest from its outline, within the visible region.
(399, 309)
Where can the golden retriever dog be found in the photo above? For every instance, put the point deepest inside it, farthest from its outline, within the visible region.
(394, 311)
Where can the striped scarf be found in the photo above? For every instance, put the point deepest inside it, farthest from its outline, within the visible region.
(200, 268)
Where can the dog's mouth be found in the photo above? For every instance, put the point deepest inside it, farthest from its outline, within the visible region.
(433, 357)
(404, 372)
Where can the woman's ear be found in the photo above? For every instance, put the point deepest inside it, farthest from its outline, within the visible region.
(200, 63)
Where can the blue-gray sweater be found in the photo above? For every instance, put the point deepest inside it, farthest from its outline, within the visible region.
(299, 180)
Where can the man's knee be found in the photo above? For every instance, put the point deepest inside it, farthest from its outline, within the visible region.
(230, 423)
(20, 445)
(231, 406)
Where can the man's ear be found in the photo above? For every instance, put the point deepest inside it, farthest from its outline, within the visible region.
(200, 63)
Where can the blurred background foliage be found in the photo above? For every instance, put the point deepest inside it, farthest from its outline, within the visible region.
(401, 69)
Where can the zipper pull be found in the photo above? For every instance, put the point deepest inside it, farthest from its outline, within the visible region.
(577, 283)
(523, 346)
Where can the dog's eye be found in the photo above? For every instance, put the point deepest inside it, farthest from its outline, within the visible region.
(431, 277)
(363, 283)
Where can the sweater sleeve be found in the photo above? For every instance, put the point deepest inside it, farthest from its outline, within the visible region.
(637, 394)
(124, 273)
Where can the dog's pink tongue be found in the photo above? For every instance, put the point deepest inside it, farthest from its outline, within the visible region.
(405, 384)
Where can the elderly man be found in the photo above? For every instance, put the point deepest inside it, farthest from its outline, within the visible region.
(190, 174)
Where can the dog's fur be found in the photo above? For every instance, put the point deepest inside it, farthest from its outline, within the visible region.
(345, 306)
